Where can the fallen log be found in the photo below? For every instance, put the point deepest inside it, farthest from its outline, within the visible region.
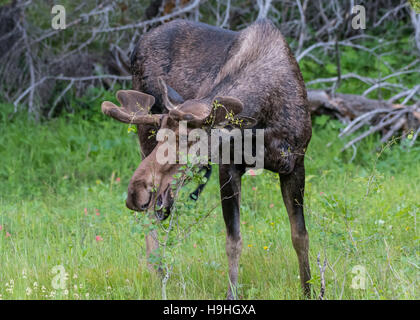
(358, 111)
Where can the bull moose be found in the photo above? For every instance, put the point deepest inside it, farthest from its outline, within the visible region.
(179, 70)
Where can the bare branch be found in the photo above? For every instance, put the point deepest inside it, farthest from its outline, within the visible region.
(415, 20)
(376, 128)
(302, 35)
(143, 24)
(389, 12)
(73, 79)
(226, 19)
(50, 113)
(322, 275)
(264, 7)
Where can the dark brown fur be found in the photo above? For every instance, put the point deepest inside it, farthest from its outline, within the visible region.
(200, 61)
(255, 66)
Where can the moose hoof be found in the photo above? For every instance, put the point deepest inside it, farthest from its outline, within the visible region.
(231, 296)
(307, 292)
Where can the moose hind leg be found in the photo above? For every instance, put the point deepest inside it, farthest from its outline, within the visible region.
(230, 192)
(292, 188)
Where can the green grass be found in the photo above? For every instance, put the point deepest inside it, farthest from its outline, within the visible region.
(50, 173)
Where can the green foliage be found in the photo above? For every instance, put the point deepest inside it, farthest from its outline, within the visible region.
(62, 154)
(415, 4)
(371, 62)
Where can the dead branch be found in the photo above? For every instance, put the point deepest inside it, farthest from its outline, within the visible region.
(73, 79)
(415, 20)
(390, 12)
(192, 6)
(37, 58)
(303, 27)
(322, 275)
(381, 125)
(50, 113)
(264, 6)
(358, 111)
(227, 14)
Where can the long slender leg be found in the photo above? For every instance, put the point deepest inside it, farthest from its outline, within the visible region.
(230, 193)
(292, 188)
(152, 247)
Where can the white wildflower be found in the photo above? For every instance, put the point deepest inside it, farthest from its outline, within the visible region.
(380, 222)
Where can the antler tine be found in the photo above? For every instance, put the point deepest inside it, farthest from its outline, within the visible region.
(168, 104)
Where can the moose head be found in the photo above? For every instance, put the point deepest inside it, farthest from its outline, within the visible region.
(150, 185)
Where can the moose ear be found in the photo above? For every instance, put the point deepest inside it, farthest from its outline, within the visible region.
(227, 112)
(224, 107)
(224, 111)
(169, 95)
(174, 96)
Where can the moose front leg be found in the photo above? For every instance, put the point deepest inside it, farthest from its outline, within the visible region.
(152, 248)
(292, 188)
(230, 192)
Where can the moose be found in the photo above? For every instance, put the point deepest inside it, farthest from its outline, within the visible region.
(179, 70)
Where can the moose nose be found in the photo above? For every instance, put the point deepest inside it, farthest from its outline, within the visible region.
(144, 207)
(130, 202)
(133, 204)
(130, 205)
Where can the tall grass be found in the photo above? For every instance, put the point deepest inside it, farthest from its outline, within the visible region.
(62, 195)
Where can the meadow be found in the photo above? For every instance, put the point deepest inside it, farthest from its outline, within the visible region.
(62, 203)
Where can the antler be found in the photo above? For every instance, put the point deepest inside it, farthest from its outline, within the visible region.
(225, 110)
(135, 107)
(168, 104)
